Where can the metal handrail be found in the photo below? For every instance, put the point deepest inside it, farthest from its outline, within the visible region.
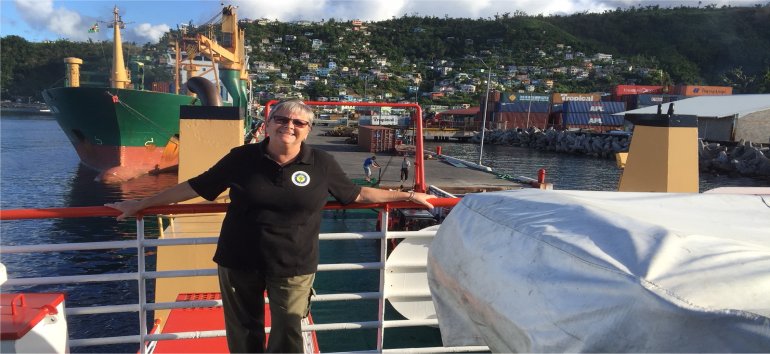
(141, 275)
(200, 208)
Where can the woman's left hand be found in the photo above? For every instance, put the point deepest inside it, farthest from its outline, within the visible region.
(422, 198)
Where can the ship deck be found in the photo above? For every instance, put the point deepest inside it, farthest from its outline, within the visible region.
(456, 180)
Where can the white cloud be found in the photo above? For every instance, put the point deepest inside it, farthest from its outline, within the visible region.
(374, 10)
(454, 9)
(35, 11)
(60, 21)
(66, 23)
(370, 10)
(285, 10)
(45, 16)
(292, 10)
(146, 32)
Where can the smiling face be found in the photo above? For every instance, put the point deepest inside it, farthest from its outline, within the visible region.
(282, 129)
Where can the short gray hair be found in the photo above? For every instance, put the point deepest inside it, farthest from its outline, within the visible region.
(294, 106)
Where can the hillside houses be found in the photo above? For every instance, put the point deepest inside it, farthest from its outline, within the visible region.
(310, 62)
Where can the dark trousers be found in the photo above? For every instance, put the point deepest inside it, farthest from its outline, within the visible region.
(244, 307)
(404, 174)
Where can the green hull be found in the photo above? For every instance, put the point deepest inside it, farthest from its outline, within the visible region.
(118, 128)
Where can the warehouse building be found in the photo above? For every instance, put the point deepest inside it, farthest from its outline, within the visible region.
(724, 118)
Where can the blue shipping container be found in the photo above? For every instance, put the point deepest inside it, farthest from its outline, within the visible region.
(593, 107)
(591, 119)
(529, 106)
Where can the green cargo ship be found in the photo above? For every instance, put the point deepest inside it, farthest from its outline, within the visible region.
(121, 133)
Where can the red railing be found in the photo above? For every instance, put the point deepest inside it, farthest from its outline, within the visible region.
(95, 211)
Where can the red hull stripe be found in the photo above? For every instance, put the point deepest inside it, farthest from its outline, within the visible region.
(121, 163)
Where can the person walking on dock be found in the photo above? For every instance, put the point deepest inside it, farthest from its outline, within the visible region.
(405, 169)
(369, 163)
(269, 236)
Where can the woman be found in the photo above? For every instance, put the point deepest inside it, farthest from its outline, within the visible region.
(269, 237)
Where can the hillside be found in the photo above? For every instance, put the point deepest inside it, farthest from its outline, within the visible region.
(694, 45)
(651, 45)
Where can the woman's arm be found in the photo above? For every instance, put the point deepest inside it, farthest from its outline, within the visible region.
(376, 195)
(175, 194)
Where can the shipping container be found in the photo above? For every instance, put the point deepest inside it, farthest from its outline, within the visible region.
(525, 97)
(593, 107)
(539, 107)
(508, 97)
(554, 120)
(494, 97)
(622, 90)
(694, 90)
(558, 98)
(384, 119)
(582, 118)
(161, 86)
(640, 101)
(468, 123)
(511, 120)
(376, 139)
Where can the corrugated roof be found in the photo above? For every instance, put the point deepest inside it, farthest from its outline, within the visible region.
(713, 106)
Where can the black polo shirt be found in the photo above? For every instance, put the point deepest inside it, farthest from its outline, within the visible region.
(274, 217)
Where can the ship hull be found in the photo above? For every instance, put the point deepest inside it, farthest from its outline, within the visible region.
(120, 133)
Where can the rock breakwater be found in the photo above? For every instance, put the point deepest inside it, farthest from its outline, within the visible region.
(745, 158)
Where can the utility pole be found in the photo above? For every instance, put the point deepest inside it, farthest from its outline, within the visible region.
(486, 105)
(530, 89)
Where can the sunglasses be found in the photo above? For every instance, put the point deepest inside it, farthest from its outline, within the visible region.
(285, 121)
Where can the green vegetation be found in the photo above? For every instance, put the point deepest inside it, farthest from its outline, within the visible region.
(28, 67)
(695, 46)
(685, 45)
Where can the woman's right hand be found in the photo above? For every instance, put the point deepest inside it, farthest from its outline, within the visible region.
(181, 192)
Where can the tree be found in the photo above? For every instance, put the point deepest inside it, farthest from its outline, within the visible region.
(763, 85)
(14, 50)
(739, 80)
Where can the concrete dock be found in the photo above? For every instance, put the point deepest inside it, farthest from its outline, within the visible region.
(456, 180)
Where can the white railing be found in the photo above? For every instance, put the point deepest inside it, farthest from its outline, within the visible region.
(141, 275)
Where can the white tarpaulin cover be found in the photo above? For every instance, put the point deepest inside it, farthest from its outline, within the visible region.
(578, 271)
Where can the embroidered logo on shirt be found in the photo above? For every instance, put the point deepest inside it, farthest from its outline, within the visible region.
(300, 178)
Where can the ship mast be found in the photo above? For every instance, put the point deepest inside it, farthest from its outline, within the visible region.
(119, 77)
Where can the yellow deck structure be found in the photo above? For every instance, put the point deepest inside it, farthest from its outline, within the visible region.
(663, 156)
(198, 151)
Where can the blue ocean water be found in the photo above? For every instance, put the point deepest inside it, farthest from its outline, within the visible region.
(39, 169)
(565, 171)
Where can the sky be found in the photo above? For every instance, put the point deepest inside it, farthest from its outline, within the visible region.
(146, 21)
